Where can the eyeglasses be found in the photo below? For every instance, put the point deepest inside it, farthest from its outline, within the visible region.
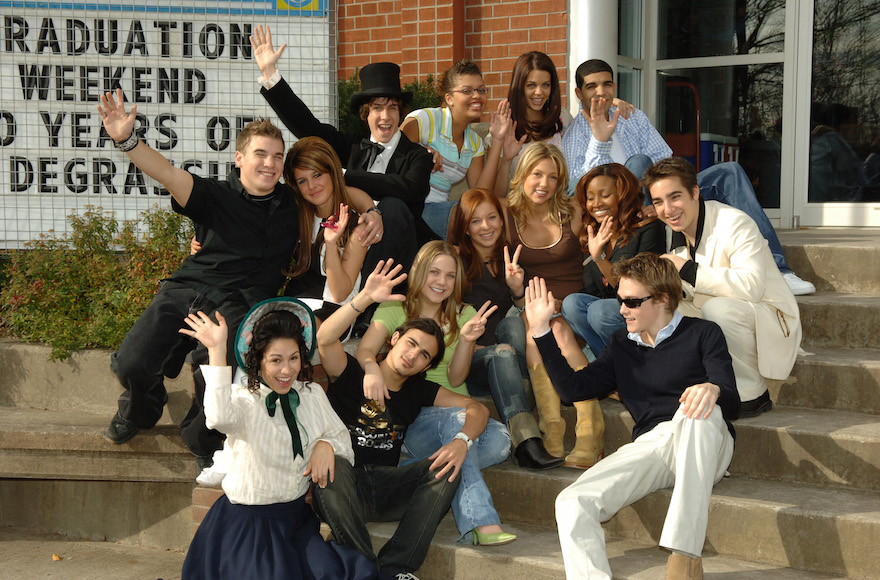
(633, 302)
(467, 91)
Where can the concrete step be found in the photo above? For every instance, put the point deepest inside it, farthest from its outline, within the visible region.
(83, 382)
(835, 259)
(29, 554)
(834, 448)
(839, 320)
(60, 475)
(536, 555)
(780, 524)
(833, 378)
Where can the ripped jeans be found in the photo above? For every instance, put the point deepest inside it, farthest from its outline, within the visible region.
(435, 427)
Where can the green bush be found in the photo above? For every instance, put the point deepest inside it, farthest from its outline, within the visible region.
(86, 289)
(424, 96)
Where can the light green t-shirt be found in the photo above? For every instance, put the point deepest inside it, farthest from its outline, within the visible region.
(391, 315)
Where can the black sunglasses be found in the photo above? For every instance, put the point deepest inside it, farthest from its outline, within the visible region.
(633, 302)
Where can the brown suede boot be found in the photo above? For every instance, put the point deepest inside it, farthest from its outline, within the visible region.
(590, 430)
(549, 415)
(681, 567)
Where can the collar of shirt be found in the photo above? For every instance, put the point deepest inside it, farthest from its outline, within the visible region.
(664, 333)
(380, 165)
(678, 239)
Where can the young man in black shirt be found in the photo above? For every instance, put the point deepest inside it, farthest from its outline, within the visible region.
(670, 372)
(376, 489)
(250, 226)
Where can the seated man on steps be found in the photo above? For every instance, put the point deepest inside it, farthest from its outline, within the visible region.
(376, 489)
(729, 278)
(599, 135)
(670, 372)
(250, 226)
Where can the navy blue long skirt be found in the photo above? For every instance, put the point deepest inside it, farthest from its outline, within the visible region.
(278, 541)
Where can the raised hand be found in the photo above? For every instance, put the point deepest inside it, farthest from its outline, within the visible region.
(382, 281)
(598, 240)
(265, 54)
(500, 123)
(332, 232)
(540, 306)
(117, 122)
(211, 334)
(626, 109)
(512, 145)
(597, 117)
(514, 275)
(476, 326)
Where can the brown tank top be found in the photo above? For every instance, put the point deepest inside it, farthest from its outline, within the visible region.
(560, 264)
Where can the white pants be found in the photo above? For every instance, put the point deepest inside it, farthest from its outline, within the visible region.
(690, 455)
(737, 321)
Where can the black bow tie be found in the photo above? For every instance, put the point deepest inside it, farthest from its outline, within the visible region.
(373, 151)
(289, 403)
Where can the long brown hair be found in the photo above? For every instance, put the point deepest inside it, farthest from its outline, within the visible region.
(550, 124)
(560, 204)
(317, 155)
(418, 277)
(629, 201)
(462, 214)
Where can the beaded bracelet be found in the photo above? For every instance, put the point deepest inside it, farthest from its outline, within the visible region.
(128, 144)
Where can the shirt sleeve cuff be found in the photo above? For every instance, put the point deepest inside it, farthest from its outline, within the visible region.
(270, 82)
(688, 272)
(545, 333)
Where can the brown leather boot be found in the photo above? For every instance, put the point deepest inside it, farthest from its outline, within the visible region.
(590, 432)
(680, 567)
(549, 415)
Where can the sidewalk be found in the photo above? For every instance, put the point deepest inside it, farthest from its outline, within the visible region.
(26, 554)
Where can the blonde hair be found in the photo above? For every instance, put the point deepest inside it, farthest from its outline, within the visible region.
(560, 204)
(418, 277)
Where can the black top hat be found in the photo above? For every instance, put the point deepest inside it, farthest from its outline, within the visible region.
(379, 79)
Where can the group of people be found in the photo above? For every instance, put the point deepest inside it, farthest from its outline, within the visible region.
(515, 284)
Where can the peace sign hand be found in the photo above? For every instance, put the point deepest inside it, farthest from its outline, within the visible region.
(597, 240)
(476, 326)
(514, 275)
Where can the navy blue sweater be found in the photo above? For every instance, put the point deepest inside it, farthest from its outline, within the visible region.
(650, 380)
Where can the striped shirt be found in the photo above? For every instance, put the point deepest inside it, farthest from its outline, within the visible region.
(435, 131)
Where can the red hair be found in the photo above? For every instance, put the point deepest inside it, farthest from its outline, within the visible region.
(462, 214)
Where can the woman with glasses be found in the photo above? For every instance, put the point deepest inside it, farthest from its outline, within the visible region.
(610, 199)
(447, 132)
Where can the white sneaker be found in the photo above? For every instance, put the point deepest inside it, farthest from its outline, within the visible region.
(406, 576)
(209, 477)
(798, 286)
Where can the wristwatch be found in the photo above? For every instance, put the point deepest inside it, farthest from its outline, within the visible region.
(375, 209)
(465, 438)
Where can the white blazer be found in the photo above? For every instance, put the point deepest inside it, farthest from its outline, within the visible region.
(734, 260)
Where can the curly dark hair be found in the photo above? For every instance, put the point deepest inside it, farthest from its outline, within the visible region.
(272, 326)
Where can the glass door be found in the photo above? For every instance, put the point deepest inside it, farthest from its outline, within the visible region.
(838, 145)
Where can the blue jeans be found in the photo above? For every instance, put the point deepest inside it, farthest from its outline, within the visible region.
(436, 215)
(593, 319)
(499, 369)
(729, 184)
(435, 427)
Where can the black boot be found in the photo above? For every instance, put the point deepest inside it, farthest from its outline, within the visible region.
(531, 454)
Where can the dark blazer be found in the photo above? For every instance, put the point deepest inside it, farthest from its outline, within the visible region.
(409, 169)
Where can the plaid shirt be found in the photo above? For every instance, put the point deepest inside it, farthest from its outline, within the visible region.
(635, 135)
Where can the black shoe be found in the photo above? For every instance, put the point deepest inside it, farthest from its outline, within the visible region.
(755, 407)
(203, 462)
(531, 454)
(121, 430)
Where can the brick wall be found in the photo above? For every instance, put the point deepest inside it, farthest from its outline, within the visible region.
(426, 36)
